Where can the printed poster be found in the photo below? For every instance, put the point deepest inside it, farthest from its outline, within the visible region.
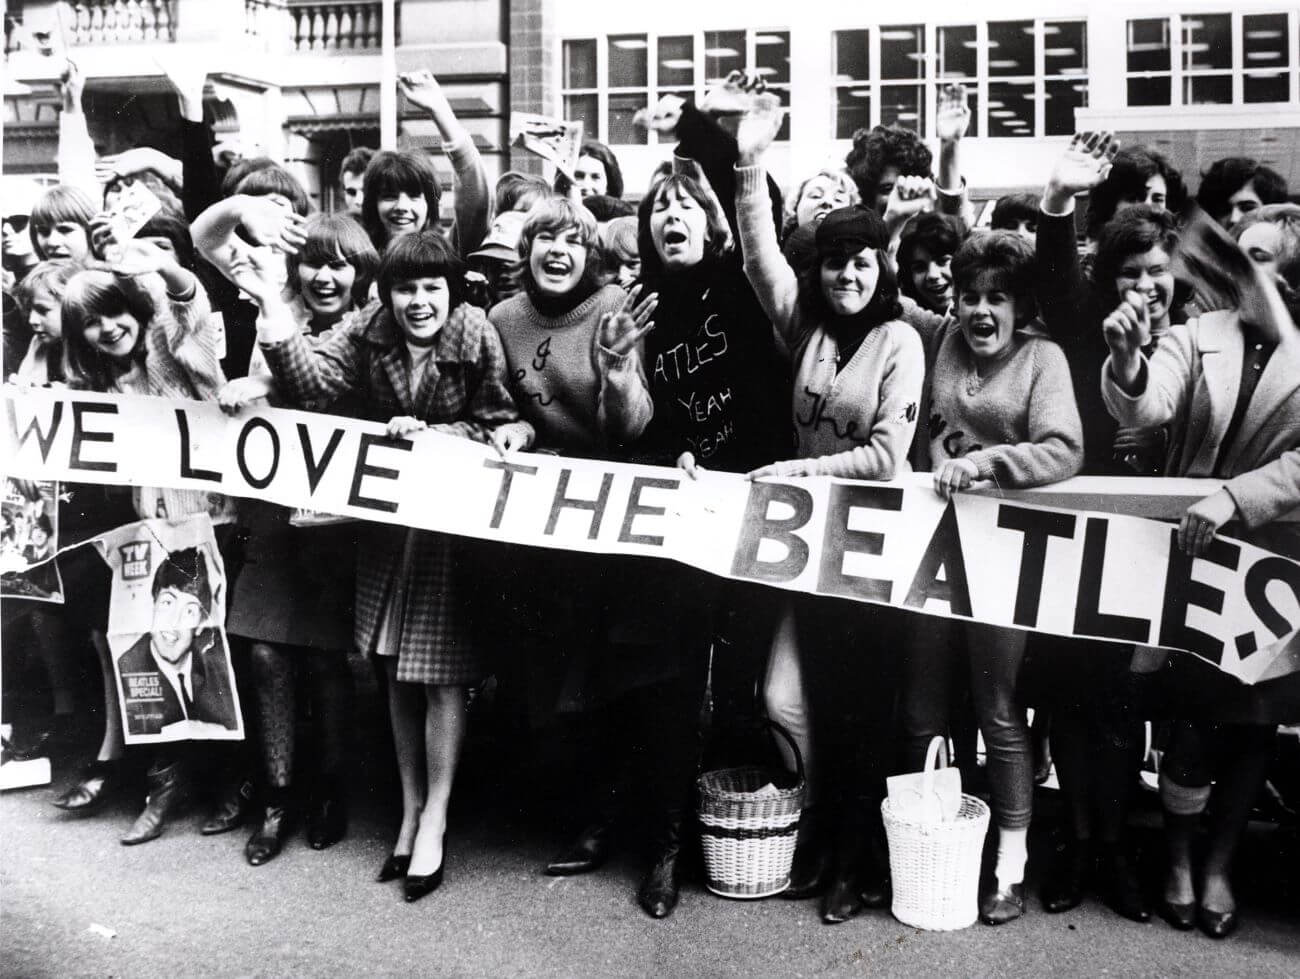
(29, 512)
(166, 632)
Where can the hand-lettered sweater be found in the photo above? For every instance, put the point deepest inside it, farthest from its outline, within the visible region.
(580, 397)
(1016, 418)
(856, 421)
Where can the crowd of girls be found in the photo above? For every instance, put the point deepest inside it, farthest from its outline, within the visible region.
(860, 328)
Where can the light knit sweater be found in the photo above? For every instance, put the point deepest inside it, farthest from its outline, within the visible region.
(580, 397)
(1016, 418)
(856, 422)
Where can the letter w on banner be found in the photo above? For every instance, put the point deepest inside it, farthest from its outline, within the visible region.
(1000, 561)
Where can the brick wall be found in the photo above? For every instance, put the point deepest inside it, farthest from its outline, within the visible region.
(532, 67)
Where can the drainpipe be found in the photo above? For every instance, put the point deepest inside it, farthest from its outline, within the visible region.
(388, 76)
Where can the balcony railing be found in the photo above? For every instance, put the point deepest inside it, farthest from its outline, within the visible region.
(122, 21)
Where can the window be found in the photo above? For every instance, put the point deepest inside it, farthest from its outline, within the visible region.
(606, 80)
(1023, 77)
(1210, 59)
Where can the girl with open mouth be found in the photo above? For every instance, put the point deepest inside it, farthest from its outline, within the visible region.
(424, 360)
(293, 595)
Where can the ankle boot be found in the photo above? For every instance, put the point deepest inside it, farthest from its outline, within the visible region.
(1118, 884)
(658, 892)
(168, 790)
(810, 872)
(586, 853)
(1063, 890)
(327, 819)
(269, 836)
(860, 877)
(232, 807)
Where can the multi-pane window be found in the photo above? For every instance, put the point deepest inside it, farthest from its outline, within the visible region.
(606, 80)
(1211, 59)
(1023, 77)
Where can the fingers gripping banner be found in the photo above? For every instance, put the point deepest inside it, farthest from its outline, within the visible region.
(1004, 562)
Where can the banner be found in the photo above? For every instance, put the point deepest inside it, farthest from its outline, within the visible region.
(996, 560)
(29, 537)
(166, 632)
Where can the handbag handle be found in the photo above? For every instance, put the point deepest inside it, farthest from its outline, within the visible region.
(794, 748)
(937, 744)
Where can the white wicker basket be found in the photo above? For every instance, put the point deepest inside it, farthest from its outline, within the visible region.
(935, 864)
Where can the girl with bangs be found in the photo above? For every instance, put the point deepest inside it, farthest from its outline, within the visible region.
(826, 190)
(573, 349)
(39, 296)
(424, 360)
(401, 190)
(859, 373)
(143, 327)
(925, 260)
(292, 600)
(60, 225)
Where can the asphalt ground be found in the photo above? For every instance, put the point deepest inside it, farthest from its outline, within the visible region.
(73, 902)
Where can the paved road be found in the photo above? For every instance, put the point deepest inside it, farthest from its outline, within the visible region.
(186, 905)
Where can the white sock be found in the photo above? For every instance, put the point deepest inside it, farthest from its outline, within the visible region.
(1013, 852)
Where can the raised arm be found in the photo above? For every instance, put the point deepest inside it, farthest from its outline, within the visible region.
(473, 197)
(951, 122)
(1061, 287)
(76, 153)
(774, 281)
(262, 222)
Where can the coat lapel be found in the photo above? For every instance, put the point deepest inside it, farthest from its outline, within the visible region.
(1277, 385)
(1219, 340)
(391, 358)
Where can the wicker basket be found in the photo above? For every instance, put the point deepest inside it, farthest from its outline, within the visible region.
(749, 839)
(935, 865)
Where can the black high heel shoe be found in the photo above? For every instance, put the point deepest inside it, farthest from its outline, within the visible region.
(395, 866)
(416, 886)
(94, 786)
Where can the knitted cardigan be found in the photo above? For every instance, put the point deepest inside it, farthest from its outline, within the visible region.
(855, 422)
(579, 396)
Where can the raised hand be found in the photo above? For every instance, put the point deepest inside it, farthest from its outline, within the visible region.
(1202, 521)
(187, 75)
(259, 272)
(686, 463)
(135, 161)
(619, 332)
(1127, 331)
(910, 196)
(953, 475)
(952, 117)
(758, 127)
(423, 90)
(136, 256)
(267, 223)
(71, 84)
(662, 117)
(1082, 166)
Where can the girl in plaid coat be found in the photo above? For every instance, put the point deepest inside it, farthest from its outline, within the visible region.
(425, 360)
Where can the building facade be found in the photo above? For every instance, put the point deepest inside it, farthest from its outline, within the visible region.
(305, 81)
(1198, 79)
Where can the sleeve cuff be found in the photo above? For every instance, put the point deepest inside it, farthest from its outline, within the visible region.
(750, 181)
(610, 360)
(1069, 209)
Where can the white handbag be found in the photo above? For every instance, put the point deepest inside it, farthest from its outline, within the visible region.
(930, 795)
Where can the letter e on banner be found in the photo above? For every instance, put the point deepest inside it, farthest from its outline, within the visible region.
(840, 540)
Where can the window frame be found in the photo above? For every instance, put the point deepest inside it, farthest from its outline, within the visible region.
(1179, 75)
(978, 86)
(653, 88)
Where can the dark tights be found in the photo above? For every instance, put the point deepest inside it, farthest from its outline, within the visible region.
(329, 692)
